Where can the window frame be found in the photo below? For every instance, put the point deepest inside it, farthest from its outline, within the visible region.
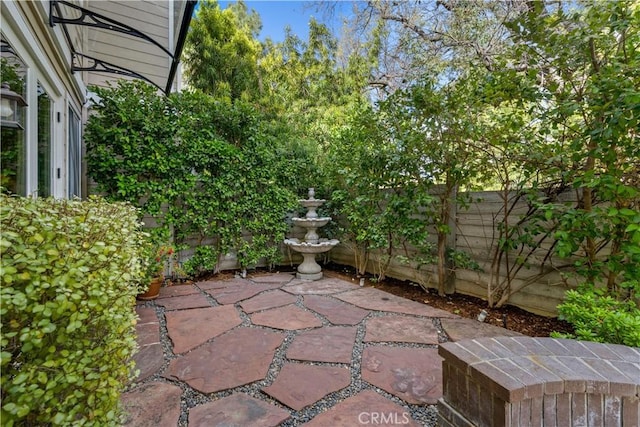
(72, 112)
(63, 89)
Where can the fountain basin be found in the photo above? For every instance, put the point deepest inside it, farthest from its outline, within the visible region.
(311, 203)
(310, 269)
(324, 245)
(311, 222)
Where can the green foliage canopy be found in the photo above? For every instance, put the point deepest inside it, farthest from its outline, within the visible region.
(221, 52)
(212, 172)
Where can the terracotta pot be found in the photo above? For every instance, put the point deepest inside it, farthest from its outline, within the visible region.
(154, 289)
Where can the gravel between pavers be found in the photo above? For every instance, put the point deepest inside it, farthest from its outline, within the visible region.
(423, 414)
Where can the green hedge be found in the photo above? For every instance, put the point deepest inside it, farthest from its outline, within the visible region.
(70, 272)
(598, 315)
(202, 168)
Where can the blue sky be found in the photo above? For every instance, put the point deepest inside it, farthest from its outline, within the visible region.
(276, 15)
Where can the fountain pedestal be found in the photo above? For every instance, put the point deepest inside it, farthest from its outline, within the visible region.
(309, 269)
(312, 244)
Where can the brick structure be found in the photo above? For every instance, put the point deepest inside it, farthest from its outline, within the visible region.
(523, 381)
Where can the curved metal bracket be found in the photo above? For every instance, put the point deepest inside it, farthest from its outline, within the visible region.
(99, 65)
(6, 47)
(92, 19)
(96, 20)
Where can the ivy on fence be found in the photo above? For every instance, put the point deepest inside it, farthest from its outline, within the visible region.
(206, 169)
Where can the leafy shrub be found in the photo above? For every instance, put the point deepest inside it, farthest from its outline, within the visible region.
(70, 273)
(204, 259)
(203, 168)
(598, 316)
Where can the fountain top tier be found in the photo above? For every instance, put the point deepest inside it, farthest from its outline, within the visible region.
(312, 243)
(311, 222)
(312, 204)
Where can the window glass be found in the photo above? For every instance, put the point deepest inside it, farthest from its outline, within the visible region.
(44, 143)
(74, 155)
(13, 162)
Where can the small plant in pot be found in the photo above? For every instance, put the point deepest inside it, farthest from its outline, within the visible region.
(157, 256)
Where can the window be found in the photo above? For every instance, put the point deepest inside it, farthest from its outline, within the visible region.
(13, 157)
(74, 155)
(44, 143)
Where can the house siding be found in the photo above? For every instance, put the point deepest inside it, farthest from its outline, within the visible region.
(148, 17)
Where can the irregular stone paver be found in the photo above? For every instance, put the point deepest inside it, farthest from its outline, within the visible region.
(288, 317)
(460, 329)
(332, 344)
(177, 290)
(281, 278)
(299, 385)
(318, 287)
(148, 333)
(412, 374)
(146, 315)
(336, 311)
(219, 284)
(184, 302)
(237, 358)
(269, 299)
(148, 359)
(239, 409)
(153, 404)
(401, 329)
(182, 325)
(240, 291)
(375, 299)
(365, 408)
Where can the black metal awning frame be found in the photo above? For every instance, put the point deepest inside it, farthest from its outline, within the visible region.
(92, 19)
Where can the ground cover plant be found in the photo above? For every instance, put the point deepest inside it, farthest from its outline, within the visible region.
(597, 315)
(70, 273)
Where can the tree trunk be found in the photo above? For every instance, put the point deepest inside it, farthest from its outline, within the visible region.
(442, 262)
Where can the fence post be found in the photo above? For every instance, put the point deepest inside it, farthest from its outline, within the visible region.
(450, 284)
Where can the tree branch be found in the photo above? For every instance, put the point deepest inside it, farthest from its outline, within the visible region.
(419, 31)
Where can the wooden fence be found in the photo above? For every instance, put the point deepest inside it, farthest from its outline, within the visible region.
(537, 286)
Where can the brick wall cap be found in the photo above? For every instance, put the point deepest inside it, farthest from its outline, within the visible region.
(552, 366)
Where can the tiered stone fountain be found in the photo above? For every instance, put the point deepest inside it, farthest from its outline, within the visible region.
(312, 243)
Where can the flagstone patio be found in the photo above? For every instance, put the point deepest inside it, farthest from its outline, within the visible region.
(273, 350)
